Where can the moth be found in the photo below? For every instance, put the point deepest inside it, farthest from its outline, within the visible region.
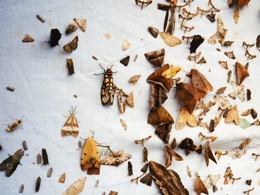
(170, 39)
(171, 71)
(62, 178)
(211, 17)
(71, 28)
(45, 157)
(38, 184)
(126, 45)
(123, 124)
(167, 180)
(71, 126)
(25, 146)
(81, 22)
(208, 154)
(188, 145)
(130, 168)
(199, 81)
(12, 126)
(108, 88)
(39, 17)
(145, 154)
(199, 186)
(90, 157)
(186, 118)
(232, 115)
(10, 88)
(189, 95)
(38, 159)
(76, 187)
(141, 141)
(27, 38)
(49, 173)
(155, 57)
(169, 154)
(121, 104)
(10, 164)
(147, 2)
(157, 78)
(258, 42)
(157, 95)
(21, 189)
(71, 46)
(54, 37)
(130, 99)
(125, 60)
(195, 43)
(134, 78)
(154, 31)
(169, 20)
(70, 66)
(114, 192)
(116, 158)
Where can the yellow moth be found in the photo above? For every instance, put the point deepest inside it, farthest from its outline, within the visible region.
(171, 71)
(71, 126)
(12, 126)
(90, 157)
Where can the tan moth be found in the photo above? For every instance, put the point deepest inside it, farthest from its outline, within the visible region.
(71, 126)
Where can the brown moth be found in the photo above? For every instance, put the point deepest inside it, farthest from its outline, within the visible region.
(241, 72)
(45, 157)
(125, 60)
(49, 173)
(70, 66)
(157, 78)
(199, 186)
(21, 189)
(170, 39)
(38, 184)
(134, 78)
(208, 154)
(258, 42)
(76, 187)
(130, 99)
(114, 192)
(71, 126)
(155, 57)
(25, 146)
(147, 2)
(189, 95)
(130, 168)
(167, 180)
(157, 96)
(90, 157)
(147, 179)
(145, 154)
(188, 145)
(71, 28)
(39, 17)
(154, 31)
(221, 90)
(12, 126)
(186, 118)
(145, 168)
(10, 164)
(199, 81)
(169, 20)
(169, 154)
(71, 46)
(141, 141)
(10, 88)
(27, 38)
(62, 178)
(82, 23)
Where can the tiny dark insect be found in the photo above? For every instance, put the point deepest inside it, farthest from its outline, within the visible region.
(25, 146)
(130, 168)
(38, 184)
(21, 189)
(195, 43)
(45, 157)
(54, 37)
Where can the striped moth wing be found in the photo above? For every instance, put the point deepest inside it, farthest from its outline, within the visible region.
(71, 126)
(107, 90)
(90, 157)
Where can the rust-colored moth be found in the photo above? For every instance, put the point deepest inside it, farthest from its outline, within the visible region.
(71, 126)
(62, 178)
(90, 157)
(242, 73)
(199, 81)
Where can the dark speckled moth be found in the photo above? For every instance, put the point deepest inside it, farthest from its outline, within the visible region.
(107, 89)
(10, 164)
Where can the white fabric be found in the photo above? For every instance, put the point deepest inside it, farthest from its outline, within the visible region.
(44, 93)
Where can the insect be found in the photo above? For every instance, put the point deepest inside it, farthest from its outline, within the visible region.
(107, 89)
(71, 126)
(25, 146)
(10, 164)
(45, 157)
(90, 157)
(39, 159)
(70, 66)
(76, 187)
(21, 189)
(38, 184)
(12, 126)
(71, 28)
(73, 45)
(49, 173)
(54, 37)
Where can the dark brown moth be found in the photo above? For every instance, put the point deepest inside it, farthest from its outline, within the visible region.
(39, 17)
(145, 168)
(195, 43)
(125, 60)
(71, 46)
(54, 37)
(10, 164)
(45, 157)
(145, 154)
(25, 146)
(167, 180)
(147, 179)
(154, 31)
(70, 66)
(211, 17)
(130, 168)
(188, 145)
(108, 87)
(38, 184)
(258, 42)
(71, 28)
(169, 20)
(155, 57)
(248, 94)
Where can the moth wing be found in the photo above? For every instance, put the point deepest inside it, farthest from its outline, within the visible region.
(107, 95)
(74, 43)
(199, 186)
(232, 115)
(199, 81)
(192, 120)
(171, 72)
(67, 48)
(70, 127)
(182, 119)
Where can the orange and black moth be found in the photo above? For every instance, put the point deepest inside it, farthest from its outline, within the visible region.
(107, 89)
